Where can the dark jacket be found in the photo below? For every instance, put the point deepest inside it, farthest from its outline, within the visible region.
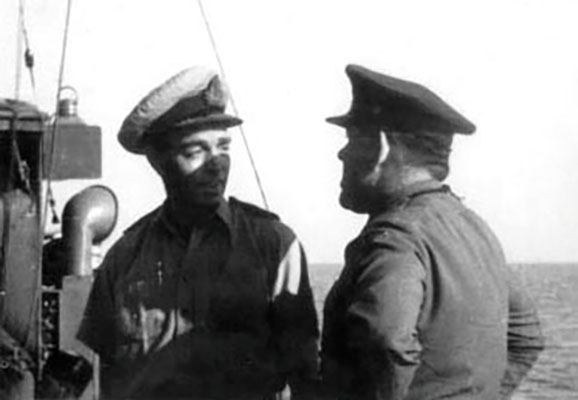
(426, 307)
(228, 313)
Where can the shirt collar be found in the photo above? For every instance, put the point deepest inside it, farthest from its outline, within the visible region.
(407, 193)
(422, 187)
(222, 214)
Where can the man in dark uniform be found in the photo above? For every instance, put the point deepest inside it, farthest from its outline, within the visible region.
(203, 298)
(425, 307)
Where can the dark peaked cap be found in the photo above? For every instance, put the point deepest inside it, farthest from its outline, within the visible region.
(398, 105)
(192, 100)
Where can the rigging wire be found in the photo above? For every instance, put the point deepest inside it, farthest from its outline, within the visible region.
(48, 197)
(18, 69)
(52, 144)
(235, 111)
(28, 55)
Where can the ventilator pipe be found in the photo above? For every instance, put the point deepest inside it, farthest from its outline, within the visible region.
(88, 218)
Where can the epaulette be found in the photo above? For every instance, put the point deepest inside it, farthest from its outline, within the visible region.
(253, 209)
(384, 231)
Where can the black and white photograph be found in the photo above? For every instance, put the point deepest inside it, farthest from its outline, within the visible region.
(258, 200)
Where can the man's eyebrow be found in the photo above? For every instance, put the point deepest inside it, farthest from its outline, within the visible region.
(224, 140)
(192, 142)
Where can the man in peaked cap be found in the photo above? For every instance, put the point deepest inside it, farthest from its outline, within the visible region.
(425, 307)
(203, 298)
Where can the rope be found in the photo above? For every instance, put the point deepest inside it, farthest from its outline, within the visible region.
(222, 69)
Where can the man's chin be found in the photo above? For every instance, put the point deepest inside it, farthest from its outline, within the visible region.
(350, 203)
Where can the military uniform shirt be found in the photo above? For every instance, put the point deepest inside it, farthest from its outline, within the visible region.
(228, 314)
(426, 307)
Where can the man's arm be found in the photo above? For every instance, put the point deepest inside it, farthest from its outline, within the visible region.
(525, 339)
(97, 326)
(382, 319)
(294, 327)
(294, 322)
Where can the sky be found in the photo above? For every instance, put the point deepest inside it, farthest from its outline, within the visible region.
(509, 66)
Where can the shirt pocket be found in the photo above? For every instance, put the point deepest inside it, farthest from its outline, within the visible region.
(142, 307)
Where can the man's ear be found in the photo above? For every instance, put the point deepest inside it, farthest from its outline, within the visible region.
(383, 148)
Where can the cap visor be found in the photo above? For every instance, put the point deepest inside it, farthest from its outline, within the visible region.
(138, 144)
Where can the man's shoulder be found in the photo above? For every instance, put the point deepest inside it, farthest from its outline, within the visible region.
(141, 225)
(129, 242)
(390, 244)
(398, 228)
(265, 223)
(251, 210)
(416, 212)
(399, 219)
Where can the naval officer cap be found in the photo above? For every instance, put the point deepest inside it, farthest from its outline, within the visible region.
(398, 105)
(193, 100)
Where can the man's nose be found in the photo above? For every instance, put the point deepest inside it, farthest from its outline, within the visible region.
(341, 154)
(216, 160)
(215, 151)
(210, 156)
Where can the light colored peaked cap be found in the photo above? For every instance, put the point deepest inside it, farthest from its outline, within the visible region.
(192, 100)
